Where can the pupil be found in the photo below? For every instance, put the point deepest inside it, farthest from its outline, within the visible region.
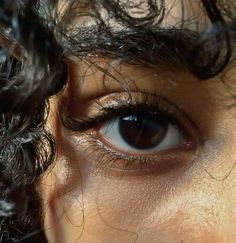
(143, 131)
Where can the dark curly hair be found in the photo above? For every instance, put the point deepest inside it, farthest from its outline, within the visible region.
(36, 38)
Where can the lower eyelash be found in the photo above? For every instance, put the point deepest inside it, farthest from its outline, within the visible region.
(108, 160)
(105, 157)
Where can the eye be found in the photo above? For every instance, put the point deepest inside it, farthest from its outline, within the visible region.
(142, 133)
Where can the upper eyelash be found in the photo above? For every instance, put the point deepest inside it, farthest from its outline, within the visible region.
(150, 103)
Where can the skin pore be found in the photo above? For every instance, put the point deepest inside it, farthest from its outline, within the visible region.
(98, 190)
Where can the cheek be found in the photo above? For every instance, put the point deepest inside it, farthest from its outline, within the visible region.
(94, 206)
(193, 205)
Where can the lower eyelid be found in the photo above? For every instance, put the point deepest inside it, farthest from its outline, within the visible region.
(115, 163)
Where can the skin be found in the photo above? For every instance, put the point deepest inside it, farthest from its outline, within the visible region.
(187, 195)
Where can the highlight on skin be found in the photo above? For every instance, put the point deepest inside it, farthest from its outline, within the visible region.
(81, 79)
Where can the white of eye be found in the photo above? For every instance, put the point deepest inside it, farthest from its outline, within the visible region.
(110, 132)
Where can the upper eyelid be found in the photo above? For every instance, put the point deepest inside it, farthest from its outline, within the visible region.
(105, 112)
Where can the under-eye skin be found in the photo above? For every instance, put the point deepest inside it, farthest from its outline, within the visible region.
(145, 132)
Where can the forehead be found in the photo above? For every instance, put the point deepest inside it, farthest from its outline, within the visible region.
(175, 32)
(165, 14)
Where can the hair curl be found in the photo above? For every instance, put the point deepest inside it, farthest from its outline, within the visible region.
(38, 35)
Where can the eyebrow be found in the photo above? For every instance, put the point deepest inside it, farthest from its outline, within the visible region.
(163, 46)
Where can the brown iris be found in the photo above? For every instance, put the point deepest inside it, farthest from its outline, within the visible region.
(143, 130)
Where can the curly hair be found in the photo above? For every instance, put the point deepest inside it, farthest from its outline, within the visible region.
(36, 38)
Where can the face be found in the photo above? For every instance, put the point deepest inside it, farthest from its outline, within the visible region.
(144, 153)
